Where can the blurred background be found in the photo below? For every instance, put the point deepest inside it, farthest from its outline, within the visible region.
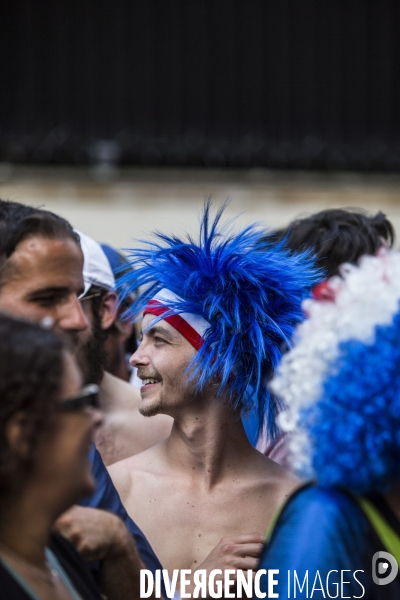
(123, 116)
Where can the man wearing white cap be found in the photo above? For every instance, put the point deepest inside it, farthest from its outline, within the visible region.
(124, 431)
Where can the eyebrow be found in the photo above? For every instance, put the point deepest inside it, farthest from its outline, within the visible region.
(157, 330)
(49, 290)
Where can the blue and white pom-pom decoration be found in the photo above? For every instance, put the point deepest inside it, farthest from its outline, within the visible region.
(341, 380)
(250, 292)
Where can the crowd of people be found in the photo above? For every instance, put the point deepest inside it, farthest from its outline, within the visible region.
(264, 436)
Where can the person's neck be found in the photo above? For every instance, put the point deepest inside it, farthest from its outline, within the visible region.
(25, 526)
(106, 392)
(117, 363)
(208, 440)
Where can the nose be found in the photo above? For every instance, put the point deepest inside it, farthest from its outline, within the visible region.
(139, 357)
(72, 317)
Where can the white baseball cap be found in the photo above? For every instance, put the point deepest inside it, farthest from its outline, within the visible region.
(96, 268)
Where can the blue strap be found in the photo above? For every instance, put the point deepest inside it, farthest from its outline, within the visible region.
(24, 585)
(56, 565)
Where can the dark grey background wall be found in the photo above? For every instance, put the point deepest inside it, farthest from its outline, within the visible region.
(240, 83)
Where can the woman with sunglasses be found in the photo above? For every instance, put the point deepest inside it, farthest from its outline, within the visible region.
(46, 426)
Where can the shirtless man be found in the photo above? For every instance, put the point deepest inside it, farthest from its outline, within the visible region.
(204, 497)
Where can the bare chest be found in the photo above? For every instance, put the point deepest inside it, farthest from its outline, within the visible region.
(184, 525)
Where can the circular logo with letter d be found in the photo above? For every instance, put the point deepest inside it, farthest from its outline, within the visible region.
(384, 568)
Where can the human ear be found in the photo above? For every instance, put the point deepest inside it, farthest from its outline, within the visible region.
(15, 432)
(108, 310)
(124, 328)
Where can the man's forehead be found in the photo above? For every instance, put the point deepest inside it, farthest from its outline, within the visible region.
(47, 251)
(58, 260)
(152, 324)
(43, 245)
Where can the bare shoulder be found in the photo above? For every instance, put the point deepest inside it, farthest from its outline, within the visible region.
(272, 476)
(135, 470)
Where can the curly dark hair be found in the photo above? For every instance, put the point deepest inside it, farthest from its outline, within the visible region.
(31, 374)
(337, 236)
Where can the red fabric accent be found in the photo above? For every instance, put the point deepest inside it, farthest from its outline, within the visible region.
(322, 291)
(157, 308)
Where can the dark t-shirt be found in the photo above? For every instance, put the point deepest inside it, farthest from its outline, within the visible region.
(75, 567)
(323, 540)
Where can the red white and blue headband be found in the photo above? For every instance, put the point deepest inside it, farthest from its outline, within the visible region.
(191, 326)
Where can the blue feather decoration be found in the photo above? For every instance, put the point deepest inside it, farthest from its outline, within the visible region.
(249, 290)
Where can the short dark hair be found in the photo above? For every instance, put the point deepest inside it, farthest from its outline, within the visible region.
(18, 222)
(337, 236)
(31, 375)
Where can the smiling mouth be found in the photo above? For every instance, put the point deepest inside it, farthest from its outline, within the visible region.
(149, 381)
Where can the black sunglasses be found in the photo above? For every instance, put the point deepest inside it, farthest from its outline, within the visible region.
(88, 397)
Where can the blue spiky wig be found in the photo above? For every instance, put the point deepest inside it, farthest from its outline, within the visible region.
(248, 292)
(341, 380)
